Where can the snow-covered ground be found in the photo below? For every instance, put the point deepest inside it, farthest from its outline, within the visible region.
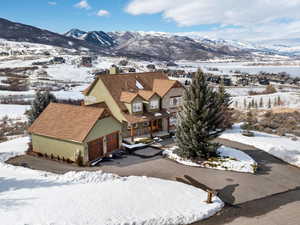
(281, 147)
(13, 111)
(229, 67)
(230, 159)
(75, 198)
(288, 99)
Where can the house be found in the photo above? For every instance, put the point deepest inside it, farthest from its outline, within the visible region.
(58, 60)
(144, 103)
(64, 131)
(87, 61)
(114, 69)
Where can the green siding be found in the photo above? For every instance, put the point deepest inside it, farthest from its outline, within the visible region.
(57, 147)
(103, 127)
(155, 97)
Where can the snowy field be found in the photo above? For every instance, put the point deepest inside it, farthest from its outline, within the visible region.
(280, 147)
(13, 111)
(230, 159)
(226, 67)
(288, 99)
(33, 197)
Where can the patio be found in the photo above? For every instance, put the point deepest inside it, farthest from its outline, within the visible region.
(159, 134)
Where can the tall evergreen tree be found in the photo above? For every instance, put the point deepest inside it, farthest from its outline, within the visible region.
(199, 119)
(261, 103)
(40, 102)
(269, 103)
(225, 100)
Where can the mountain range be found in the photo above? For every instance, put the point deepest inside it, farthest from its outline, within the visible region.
(147, 45)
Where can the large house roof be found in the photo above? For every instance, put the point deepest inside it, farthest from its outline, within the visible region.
(66, 122)
(133, 82)
(124, 88)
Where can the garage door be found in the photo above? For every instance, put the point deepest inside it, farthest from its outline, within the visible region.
(95, 149)
(112, 141)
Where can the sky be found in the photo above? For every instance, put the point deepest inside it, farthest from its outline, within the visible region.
(250, 20)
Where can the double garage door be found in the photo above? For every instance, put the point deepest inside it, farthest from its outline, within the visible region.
(96, 147)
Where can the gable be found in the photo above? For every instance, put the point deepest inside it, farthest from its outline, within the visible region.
(66, 122)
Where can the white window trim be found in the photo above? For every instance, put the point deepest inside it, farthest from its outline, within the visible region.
(178, 101)
(154, 104)
(137, 107)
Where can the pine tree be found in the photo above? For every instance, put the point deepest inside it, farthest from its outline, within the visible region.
(249, 105)
(245, 103)
(261, 103)
(200, 116)
(255, 104)
(41, 101)
(269, 103)
(225, 100)
(279, 102)
(252, 103)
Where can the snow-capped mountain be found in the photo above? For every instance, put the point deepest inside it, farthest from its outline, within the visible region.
(75, 33)
(286, 47)
(98, 38)
(165, 46)
(12, 31)
(146, 45)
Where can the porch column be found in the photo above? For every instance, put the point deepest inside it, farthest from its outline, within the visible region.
(151, 132)
(132, 133)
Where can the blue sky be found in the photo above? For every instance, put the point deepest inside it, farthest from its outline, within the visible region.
(226, 19)
(62, 15)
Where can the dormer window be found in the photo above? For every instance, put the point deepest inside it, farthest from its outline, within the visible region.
(154, 104)
(175, 101)
(137, 107)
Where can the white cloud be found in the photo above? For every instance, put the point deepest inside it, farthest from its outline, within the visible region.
(103, 12)
(52, 3)
(83, 4)
(255, 17)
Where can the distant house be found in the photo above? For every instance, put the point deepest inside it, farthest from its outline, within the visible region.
(227, 81)
(264, 82)
(65, 131)
(143, 102)
(87, 61)
(114, 69)
(58, 60)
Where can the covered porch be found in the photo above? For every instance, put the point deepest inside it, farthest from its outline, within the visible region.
(147, 126)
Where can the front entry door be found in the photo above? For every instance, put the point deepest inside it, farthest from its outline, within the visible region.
(155, 125)
(95, 149)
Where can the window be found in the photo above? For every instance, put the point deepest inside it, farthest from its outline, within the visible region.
(137, 107)
(154, 104)
(175, 101)
(173, 120)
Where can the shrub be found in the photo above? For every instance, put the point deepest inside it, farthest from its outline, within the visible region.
(79, 159)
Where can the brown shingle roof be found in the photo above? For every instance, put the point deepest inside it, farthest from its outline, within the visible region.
(161, 87)
(117, 83)
(67, 122)
(146, 94)
(128, 97)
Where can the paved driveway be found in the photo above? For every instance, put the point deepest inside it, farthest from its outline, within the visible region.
(274, 176)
